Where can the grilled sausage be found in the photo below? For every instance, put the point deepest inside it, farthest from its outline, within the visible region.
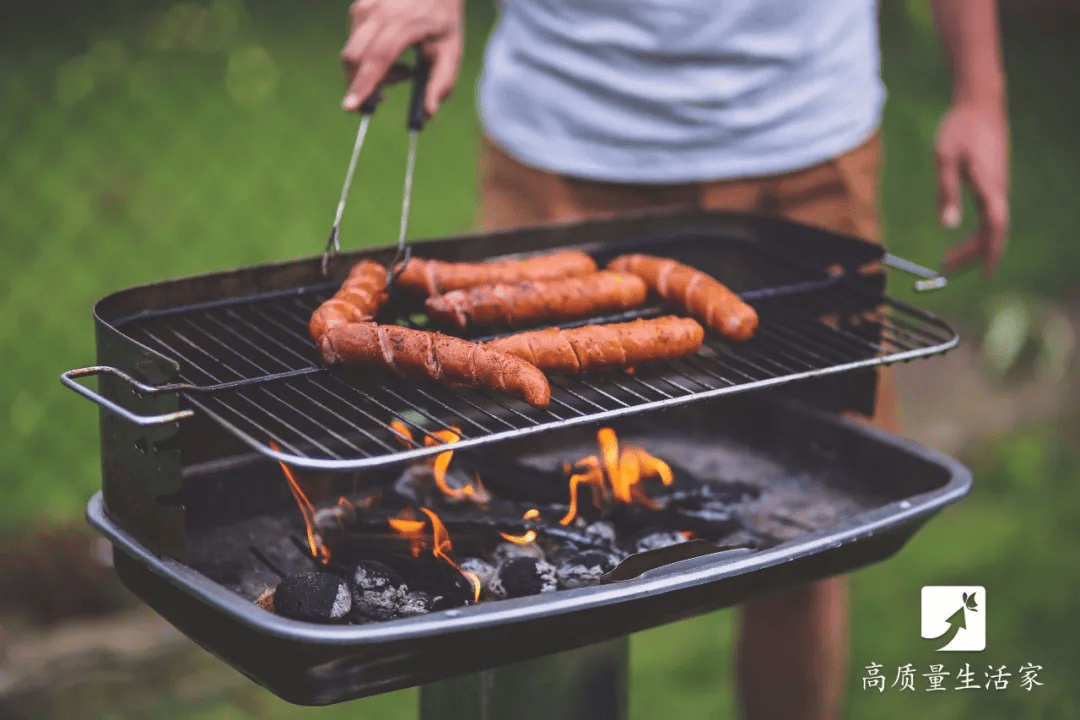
(600, 347)
(701, 295)
(358, 299)
(433, 277)
(539, 300)
(434, 355)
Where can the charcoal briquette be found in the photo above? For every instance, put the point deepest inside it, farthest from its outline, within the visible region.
(602, 533)
(415, 603)
(315, 597)
(585, 568)
(521, 576)
(657, 540)
(508, 550)
(477, 567)
(377, 590)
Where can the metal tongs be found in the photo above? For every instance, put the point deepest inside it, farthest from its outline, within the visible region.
(420, 73)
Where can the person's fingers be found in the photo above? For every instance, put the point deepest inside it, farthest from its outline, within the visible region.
(990, 191)
(352, 55)
(445, 56)
(379, 55)
(948, 179)
(995, 223)
(963, 253)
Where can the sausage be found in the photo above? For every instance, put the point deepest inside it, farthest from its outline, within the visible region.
(332, 313)
(539, 300)
(701, 295)
(358, 299)
(434, 277)
(600, 347)
(436, 356)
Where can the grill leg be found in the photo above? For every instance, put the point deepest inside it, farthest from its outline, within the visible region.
(585, 684)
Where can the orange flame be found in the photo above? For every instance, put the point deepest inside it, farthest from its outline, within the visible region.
(442, 546)
(531, 514)
(319, 551)
(409, 527)
(525, 539)
(405, 435)
(616, 474)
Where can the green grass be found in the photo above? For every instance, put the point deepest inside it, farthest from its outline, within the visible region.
(146, 140)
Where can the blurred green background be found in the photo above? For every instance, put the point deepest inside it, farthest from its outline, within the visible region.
(143, 139)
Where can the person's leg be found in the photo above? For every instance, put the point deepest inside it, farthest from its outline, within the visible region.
(801, 634)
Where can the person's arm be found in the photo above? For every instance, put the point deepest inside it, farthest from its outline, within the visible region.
(973, 140)
(380, 30)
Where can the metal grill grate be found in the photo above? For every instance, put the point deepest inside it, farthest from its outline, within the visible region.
(257, 373)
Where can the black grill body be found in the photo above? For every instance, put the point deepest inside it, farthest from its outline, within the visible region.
(198, 376)
(869, 491)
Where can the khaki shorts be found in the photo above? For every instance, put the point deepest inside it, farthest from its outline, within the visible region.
(840, 195)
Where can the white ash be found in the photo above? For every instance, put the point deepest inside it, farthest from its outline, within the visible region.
(477, 567)
(415, 603)
(518, 577)
(658, 540)
(585, 568)
(601, 532)
(508, 550)
(377, 590)
(342, 603)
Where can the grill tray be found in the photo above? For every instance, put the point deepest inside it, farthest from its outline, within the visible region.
(234, 347)
(881, 489)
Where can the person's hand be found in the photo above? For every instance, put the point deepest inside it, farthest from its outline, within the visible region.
(973, 147)
(380, 30)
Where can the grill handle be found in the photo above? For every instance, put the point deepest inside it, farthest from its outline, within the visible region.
(931, 280)
(68, 379)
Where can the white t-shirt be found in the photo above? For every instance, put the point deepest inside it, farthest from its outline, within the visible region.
(665, 91)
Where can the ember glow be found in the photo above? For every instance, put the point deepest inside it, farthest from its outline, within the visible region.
(319, 551)
(616, 474)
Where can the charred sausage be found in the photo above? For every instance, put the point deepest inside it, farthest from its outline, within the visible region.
(420, 353)
(358, 299)
(539, 300)
(701, 295)
(601, 347)
(433, 277)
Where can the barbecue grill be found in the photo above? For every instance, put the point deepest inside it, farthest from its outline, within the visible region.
(205, 382)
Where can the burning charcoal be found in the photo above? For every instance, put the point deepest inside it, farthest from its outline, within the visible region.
(336, 517)
(521, 576)
(508, 551)
(415, 603)
(585, 568)
(377, 590)
(316, 597)
(477, 567)
(657, 540)
(601, 533)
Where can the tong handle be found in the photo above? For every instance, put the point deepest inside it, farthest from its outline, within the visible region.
(421, 75)
(68, 379)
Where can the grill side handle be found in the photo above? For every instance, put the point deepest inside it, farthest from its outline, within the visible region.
(931, 280)
(69, 380)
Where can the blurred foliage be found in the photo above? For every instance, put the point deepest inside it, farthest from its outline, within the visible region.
(145, 139)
